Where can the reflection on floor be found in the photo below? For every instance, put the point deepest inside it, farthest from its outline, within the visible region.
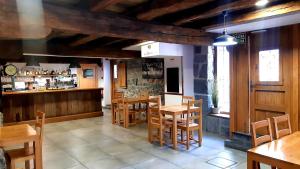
(97, 144)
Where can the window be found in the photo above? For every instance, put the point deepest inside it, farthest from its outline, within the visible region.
(223, 79)
(269, 65)
(115, 71)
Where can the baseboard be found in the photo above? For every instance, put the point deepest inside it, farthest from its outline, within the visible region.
(61, 118)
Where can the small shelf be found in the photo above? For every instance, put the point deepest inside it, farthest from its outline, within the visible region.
(39, 76)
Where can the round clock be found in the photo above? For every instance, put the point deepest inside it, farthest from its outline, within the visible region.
(10, 70)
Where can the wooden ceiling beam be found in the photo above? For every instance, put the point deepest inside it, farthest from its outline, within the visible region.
(73, 20)
(14, 49)
(233, 6)
(163, 7)
(262, 14)
(100, 5)
(84, 40)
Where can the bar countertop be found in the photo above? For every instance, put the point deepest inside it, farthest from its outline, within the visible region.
(47, 91)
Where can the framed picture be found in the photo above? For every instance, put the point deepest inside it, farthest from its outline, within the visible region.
(88, 73)
(153, 69)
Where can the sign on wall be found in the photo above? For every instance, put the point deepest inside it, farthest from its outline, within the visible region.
(153, 69)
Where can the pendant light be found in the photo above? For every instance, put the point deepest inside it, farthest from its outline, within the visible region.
(225, 39)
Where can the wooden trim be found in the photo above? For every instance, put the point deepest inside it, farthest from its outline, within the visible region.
(61, 118)
(180, 94)
(295, 79)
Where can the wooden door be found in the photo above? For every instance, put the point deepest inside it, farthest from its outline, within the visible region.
(88, 82)
(269, 75)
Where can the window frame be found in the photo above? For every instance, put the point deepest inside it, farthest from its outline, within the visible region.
(268, 83)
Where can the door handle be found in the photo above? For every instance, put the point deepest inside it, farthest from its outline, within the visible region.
(251, 86)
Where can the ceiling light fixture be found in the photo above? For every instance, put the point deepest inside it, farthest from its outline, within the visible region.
(225, 39)
(261, 3)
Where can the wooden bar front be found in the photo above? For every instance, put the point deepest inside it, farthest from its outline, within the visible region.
(59, 105)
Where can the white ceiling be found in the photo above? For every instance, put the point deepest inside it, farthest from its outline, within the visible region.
(260, 24)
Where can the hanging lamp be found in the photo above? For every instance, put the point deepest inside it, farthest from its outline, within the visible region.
(225, 39)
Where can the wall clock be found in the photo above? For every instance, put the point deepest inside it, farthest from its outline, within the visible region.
(10, 70)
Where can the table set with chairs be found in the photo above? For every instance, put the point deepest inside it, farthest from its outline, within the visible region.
(275, 146)
(182, 123)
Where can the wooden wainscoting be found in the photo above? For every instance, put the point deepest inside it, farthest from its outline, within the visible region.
(254, 100)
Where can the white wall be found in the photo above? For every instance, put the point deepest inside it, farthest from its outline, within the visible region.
(186, 74)
(107, 83)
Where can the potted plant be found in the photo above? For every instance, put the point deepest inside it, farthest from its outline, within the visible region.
(215, 99)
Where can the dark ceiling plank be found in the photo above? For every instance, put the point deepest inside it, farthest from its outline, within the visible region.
(233, 6)
(73, 20)
(14, 49)
(163, 7)
(84, 40)
(114, 42)
(263, 14)
(100, 5)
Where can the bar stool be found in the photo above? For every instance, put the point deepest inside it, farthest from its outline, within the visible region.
(27, 153)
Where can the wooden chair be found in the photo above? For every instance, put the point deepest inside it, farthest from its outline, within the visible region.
(261, 139)
(142, 107)
(156, 120)
(193, 121)
(186, 99)
(116, 95)
(27, 153)
(122, 111)
(282, 132)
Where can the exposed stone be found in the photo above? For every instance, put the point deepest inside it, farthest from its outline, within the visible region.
(200, 86)
(196, 70)
(203, 71)
(200, 58)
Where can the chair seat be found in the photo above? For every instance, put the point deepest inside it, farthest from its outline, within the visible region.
(191, 125)
(21, 154)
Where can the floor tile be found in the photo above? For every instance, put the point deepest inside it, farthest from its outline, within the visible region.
(95, 143)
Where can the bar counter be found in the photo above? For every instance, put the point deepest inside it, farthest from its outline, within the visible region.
(59, 105)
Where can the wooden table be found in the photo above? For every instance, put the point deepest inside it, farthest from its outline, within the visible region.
(174, 111)
(127, 101)
(22, 134)
(282, 153)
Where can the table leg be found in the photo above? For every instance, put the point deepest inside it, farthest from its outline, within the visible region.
(250, 162)
(174, 137)
(126, 118)
(27, 163)
(38, 162)
(113, 113)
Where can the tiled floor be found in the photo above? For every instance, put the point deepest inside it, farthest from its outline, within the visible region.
(97, 144)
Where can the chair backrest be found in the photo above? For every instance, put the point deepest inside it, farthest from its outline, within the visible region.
(186, 99)
(261, 138)
(118, 94)
(279, 120)
(154, 115)
(39, 124)
(144, 94)
(194, 113)
(121, 104)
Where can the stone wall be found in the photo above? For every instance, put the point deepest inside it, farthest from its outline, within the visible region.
(203, 75)
(136, 83)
